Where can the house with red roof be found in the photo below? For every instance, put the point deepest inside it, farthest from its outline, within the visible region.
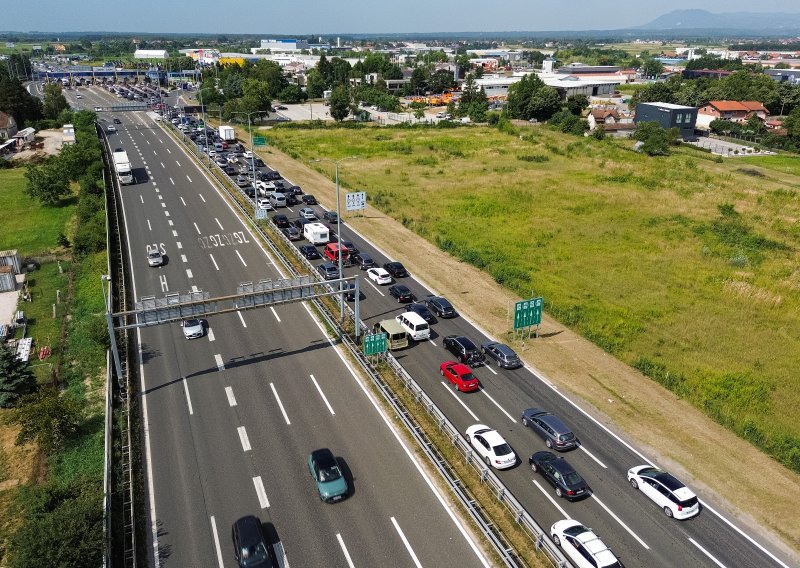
(735, 111)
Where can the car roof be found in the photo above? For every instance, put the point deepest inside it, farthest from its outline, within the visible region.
(323, 458)
(380, 271)
(459, 368)
(562, 466)
(401, 288)
(493, 437)
(249, 529)
(596, 547)
(667, 479)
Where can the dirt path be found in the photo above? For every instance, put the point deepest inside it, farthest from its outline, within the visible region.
(631, 405)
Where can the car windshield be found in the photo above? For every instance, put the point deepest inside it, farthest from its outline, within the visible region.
(255, 554)
(329, 474)
(467, 377)
(502, 450)
(191, 323)
(691, 502)
(566, 437)
(576, 530)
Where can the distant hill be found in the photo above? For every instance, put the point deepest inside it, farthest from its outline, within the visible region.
(702, 19)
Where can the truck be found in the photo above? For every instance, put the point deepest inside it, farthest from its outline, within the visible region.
(123, 167)
(316, 233)
(227, 133)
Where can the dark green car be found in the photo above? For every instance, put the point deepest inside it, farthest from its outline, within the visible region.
(331, 484)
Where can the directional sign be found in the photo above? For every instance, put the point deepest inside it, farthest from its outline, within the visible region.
(355, 201)
(528, 313)
(374, 344)
(261, 214)
(259, 141)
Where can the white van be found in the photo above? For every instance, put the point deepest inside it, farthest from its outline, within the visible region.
(415, 326)
(277, 199)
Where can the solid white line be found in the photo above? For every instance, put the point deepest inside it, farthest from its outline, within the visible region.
(376, 288)
(183, 201)
(591, 455)
(214, 261)
(201, 197)
(220, 362)
(488, 368)
(189, 273)
(149, 226)
(220, 224)
(344, 549)
(211, 334)
(322, 394)
(183, 258)
(197, 228)
(262, 494)
(172, 181)
(280, 404)
(707, 553)
(408, 545)
(503, 410)
(244, 439)
(550, 498)
(241, 317)
(216, 542)
(616, 518)
(461, 402)
(274, 313)
(188, 398)
(231, 398)
(240, 258)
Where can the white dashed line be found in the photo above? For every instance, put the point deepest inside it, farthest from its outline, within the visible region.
(174, 233)
(591, 455)
(488, 368)
(322, 394)
(190, 179)
(172, 181)
(183, 258)
(184, 202)
(616, 518)
(378, 290)
(179, 245)
(344, 549)
(201, 197)
(280, 404)
(163, 166)
(220, 364)
(216, 542)
(214, 261)
(406, 543)
(274, 313)
(211, 334)
(196, 228)
(240, 258)
(244, 439)
(550, 498)
(189, 273)
(142, 198)
(164, 205)
(149, 226)
(220, 224)
(188, 399)
(241, 317)
(503, 410)
(231, 398)
(707, 553)
(169, 151)
(262, 494)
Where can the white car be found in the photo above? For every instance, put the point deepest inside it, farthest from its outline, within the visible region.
(232, 159)
(154, 256)
(582, 546)
(78, 96)
(192, 328)
(248, 154)
(665, 490)
(263, 203)
(308, 213)
(98, 109)
(379, 276)
(491, 447)
(111, 128)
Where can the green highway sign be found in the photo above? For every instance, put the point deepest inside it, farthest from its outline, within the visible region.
(374, 344)
(259, 141)
(528, 313)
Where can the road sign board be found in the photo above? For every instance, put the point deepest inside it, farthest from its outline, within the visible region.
(374, 344)
(528, 313)
(355, 201)
(259, 141)
(260, 214)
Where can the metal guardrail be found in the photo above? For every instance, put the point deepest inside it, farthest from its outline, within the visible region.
(505, 497)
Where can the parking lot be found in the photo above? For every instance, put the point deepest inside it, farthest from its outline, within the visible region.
(728, 149)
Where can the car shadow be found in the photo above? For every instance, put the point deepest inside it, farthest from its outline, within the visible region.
(274, 542)
(348, 476)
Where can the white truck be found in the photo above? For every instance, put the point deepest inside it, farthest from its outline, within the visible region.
(123, 167)
(227, 133)
(316, 233)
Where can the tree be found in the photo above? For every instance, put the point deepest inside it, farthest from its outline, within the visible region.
(292, 94)
(47, 418)
(543, 104)
(46, 182)
(339, 103)
(655, 140)
(419, 80)
(441, 81)
(315, 84)
(256, 96)
(16, 378)
(577, 104)
(18, 102)
(54, 100)
(652, 67)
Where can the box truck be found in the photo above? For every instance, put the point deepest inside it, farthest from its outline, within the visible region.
(123, 167)
(227, 133)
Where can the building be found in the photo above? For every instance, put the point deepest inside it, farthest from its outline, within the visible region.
(8, 126)
(784, 75)
(68, 137)
(24, 136)
(566, 85)
(151, 54)
(583, 69)
(668, 115)
(284, 45)
(614, 122)
(707, 73)
(735, 111)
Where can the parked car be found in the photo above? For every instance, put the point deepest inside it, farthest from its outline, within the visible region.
(310, 252)
(281, 221)
(401, 292)
(292, 233)
(560, 474)
(551, 429)
(249, 544)
(441, 307)
(325, 471)
(379, 276)
(463, 348)
(309, 199)
(502, 354)
(396, 269)
(192, 328)
(582, 546)
(491, 447)
(421, 310)
(459, 375)
(665, 490)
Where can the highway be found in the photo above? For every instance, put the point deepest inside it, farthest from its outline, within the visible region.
(231, 417)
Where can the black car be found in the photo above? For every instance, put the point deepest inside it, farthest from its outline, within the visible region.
(396, 269)
(421, 310)
(292, 233)
(351, 248)
(309, 251)
(249, 545)
(300, 222)
(281, 221)
(562, 476)
(259, 162)
(350, 292)
(278, 183)
(502, 353)
(272, 175)
(117, 121)
(401, 292)
(229, 169)
(296, 189)
(466, 351)
(309, 200)
(330, 216)
(441, 307)
(290, 199)
(362, 260)
(250, 191)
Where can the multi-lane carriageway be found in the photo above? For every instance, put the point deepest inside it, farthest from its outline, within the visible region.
(181, 375)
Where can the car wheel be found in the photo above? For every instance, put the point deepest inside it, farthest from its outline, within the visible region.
(533, 467)
(524, 421)
(634, 484)
(556, 540)
(549, 443)
(559, 493)
(455, 386)
(668, 512)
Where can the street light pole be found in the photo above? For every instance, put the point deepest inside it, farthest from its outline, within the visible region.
(252, 154)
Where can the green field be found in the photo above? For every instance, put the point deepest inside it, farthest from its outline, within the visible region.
(681, 266)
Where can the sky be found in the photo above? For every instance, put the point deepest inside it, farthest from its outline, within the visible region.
(325, 17)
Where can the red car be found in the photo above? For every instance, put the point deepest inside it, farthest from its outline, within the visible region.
(459, 375)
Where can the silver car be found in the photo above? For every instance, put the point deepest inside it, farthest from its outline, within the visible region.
(505, 357)
(192, 328)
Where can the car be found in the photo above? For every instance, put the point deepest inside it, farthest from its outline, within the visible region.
(242, 181)
(154, 256)
(296, 189)
(222, 162)
(421, 310)
(553, 431)
(272, 175)
(299, 223)
(325, 471)
(117, 121)
(350, 247)
(491, 447)
(98, 109)
(459, 375)
(78, 96)
(330, 216)
(582, 546)
(328, 270)
(463, 348)
(229, 169)
(248, 154)
(505, 357)
(308, 213)
(309, 199)
(665, 490)
(249, 544)
(249, 191)
(350, 291)
(290, 199)
(280, 221)
(263, 203)
(192, 328)
(280, 107)
(396, 269)
(111, 128)
(310, 252)
(292, 233)
(401, 292)
(362, 260)
(560, 474)
(379, 276)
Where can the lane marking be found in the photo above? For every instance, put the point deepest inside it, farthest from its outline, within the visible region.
(201, 197)
(183, 201)
(211, 334)
(616, 518)
(344, 549)
(280, 404)
(142, 198)
(322, 394)
(591, 455)
(174, 233)
(262, 494)
(163, 166)
(170, 222)
(195, 289)
(216, 543)
(178, 244)
(169, 152)
(376, 288)
(220, 363)
(188, 398)
(172, 181)
(154, 152)
(149, 227)
(197, 229)
(406, 543)
(707, 553)
(432, 342)
(183, 258)
(551, 499)
(488, 368)
(187, 175)
(163, 204)
(166, 213)
(503, 410)
(220, 224)
(244, 439)
(164, 286)
(241, 317)
(231, 398)
(243, 262)
(160, 197)
(274, 313)
(189, 273)
(461, 402)
(214, 261)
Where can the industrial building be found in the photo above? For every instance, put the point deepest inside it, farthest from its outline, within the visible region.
(669, 115)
